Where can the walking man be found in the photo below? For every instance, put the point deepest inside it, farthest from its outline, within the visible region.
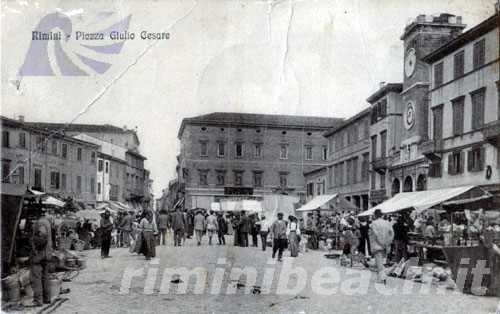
(178, 226)
(253, 229)
(212, 226)
(106, 227)
(163, 225)
(40, 257)
(199, 226)
(381, 236)
(278, 230)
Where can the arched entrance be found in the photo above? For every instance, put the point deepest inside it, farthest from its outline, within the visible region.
(408, 184)
(421, 183)
(395, 187)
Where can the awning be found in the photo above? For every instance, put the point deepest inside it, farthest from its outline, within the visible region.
(321, 202)
(52, 201)
(317, 202)
(246, 205)
(419, 200)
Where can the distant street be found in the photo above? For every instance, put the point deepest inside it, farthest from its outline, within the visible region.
(97, 288)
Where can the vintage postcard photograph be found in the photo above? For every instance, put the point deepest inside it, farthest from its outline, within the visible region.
(250, 156)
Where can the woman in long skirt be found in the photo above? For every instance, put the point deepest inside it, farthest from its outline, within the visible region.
(148, 228)
(293, 232)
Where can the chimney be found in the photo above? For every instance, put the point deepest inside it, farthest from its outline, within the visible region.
(381, 84)
(20, 118)
(125, 127)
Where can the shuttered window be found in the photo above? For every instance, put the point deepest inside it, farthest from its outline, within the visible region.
(477, 99)
(435, 169)
(438, 74)
(458, 64)
(456, 163)
(437, 119)
(458, 116)
(478, 54)
(475, 159)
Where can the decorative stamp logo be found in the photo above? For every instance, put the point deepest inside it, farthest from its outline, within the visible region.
(58, 28)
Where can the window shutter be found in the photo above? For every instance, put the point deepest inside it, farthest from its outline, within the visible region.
(450, 164)
(461, 165)
(469, 160)
(482, 158)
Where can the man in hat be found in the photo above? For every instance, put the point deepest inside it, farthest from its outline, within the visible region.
(278, 230)
(126, 228)
(244, 229)
(106, 227)
(381, 235)
(178, 226)
(40, 257)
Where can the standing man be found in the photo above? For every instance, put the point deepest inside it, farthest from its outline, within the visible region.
(278, 230)
(40, 257)
(263, 227)
(106, 227)
(178, 226)
(253, 229)
(126, 228)
(212, 226)
(381, 236)
(244, 229)
(163, 225)
(400, 238)
(222, 228)
(199, 226)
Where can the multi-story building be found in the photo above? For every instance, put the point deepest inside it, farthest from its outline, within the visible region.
(408, 169)
(385, 139)
(111, 169)
(135, 176)
(231, 154)
(48, 161)
(348, 164)
(464, 115)
(110, 138)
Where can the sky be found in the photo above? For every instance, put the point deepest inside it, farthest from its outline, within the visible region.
(315, 58)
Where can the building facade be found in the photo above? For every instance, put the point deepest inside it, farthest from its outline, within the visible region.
(235, 154)
(385, 139)
(426, 33)
(49, 162)
(120, 143)
(349, 159)
(464, 115)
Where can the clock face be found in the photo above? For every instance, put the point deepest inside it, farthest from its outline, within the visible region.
(409, 115)
(410, 61)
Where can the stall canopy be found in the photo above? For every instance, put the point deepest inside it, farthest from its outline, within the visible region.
(246, 205)
(424, 199)
(48, 199)
(327, 202)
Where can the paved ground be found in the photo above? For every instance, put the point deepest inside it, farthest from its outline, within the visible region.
(99, 289)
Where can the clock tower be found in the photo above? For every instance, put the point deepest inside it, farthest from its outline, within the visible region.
(426, 33)
(422, 36)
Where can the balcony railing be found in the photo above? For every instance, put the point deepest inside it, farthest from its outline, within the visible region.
(380, 164)
(491, 132)
(432, 149)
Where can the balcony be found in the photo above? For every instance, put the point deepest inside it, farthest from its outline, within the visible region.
(491, 132)
(432, 149)
(380, 164)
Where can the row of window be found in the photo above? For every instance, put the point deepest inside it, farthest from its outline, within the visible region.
(456, 162)
(52, 147)
(478, 60)
(284, 132)
(220, 178)
(383, 145)
(349, 136)
(346, 172)
(477, 116)
(258, 150)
